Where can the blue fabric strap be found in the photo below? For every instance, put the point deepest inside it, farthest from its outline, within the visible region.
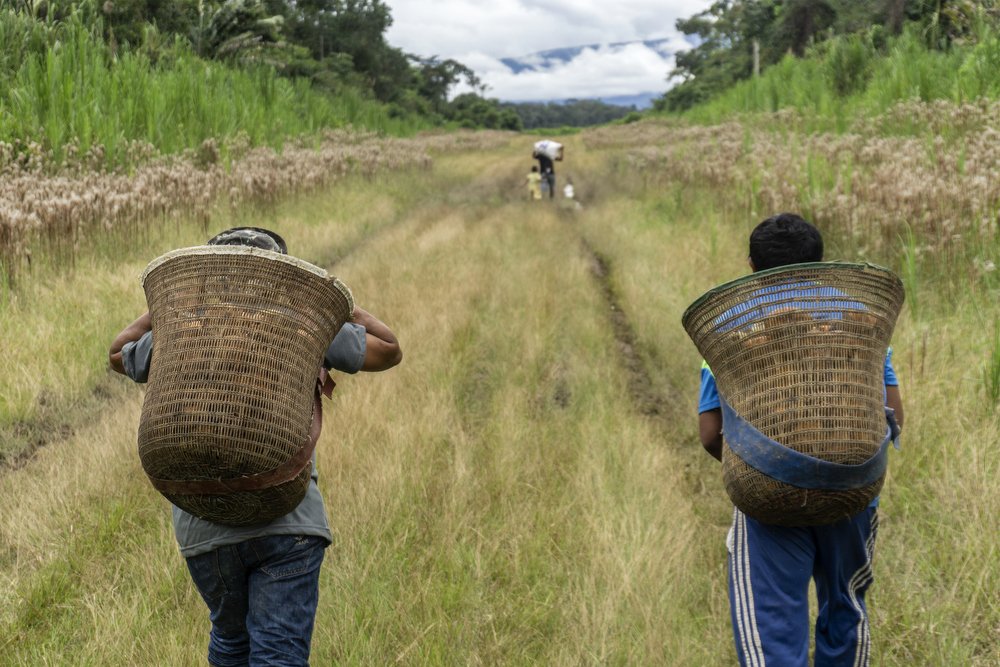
(791, 467)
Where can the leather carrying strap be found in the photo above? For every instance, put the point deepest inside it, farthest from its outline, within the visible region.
(285, 472)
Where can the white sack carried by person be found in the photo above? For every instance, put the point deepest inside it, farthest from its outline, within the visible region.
(550, 149)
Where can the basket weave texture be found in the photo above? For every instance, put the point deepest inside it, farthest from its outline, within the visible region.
(239, 337)
(798, 352)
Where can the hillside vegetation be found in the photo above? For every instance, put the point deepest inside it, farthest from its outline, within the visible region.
(111, 83)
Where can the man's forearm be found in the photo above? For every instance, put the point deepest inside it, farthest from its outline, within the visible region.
(383, 351)
(129, 334)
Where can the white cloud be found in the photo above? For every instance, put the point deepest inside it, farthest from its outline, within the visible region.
(479, 33)
(601, 72)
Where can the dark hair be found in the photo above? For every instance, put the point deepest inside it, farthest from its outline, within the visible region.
(784, 239)
(255, 237)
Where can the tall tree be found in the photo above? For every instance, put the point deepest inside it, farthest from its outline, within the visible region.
(802, 20)
(727, 31)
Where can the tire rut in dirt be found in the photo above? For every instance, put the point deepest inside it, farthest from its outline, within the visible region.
(642, 390)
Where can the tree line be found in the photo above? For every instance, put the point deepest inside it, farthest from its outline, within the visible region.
(570, 113)
(335, 44)
(737, 38)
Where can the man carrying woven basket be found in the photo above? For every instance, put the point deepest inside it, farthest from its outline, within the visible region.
(261, 581)
(770, 566)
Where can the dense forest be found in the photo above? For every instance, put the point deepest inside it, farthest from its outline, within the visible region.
(273, 68)
(570, 113)
(737, 39)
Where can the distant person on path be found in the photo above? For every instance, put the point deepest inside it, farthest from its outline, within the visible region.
(261, 583)
(770, 567)
(547, 167)
(534, 183)
(546, 152)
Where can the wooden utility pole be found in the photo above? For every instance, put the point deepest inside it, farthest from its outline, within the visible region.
(756, 57)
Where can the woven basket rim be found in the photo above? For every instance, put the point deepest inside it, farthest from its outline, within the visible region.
(208, 250)
(788, 268)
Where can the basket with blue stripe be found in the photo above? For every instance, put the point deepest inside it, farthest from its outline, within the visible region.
(798, 355)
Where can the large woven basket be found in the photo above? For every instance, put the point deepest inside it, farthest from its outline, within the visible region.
(798, 355)
(239, 333)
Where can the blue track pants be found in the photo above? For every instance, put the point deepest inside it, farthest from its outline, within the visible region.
(769, 572)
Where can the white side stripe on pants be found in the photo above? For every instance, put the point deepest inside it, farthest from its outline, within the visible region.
(863, 577)
(743, 602)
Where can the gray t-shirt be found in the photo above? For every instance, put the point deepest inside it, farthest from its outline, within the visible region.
(196, 536)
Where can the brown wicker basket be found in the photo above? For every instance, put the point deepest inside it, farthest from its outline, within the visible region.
(239, 336)
(798, 354)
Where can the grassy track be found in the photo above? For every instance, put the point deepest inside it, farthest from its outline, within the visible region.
(505, 496)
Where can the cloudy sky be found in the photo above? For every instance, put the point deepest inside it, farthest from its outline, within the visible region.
(479, 33)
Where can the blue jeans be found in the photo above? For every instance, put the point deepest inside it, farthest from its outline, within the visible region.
(262, 596)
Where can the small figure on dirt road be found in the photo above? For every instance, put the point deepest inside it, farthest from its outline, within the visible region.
(534, 183)
(261, 581)
(770, 566)
(548, 153)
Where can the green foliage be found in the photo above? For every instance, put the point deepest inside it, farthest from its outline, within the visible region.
(855, 76)
(848, 32)
(978, 74)
(109, 73)
(239, 30)
(849, 63)
(434, 78)
(74, 90)
(471, 111)
(351, 31)
(726, 32)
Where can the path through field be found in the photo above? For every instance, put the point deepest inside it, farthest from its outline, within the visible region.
(525, 489)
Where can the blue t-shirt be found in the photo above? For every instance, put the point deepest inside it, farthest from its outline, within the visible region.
(196, 536)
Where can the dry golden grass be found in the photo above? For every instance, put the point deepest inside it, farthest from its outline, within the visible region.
(79, 207)
(499, 498)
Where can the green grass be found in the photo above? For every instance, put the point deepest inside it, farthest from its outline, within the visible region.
(847, 80)
(498, 498)
(64, 87)
(991, 369)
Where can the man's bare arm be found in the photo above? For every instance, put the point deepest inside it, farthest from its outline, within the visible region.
(895, 401)
(129, 334)
(710, 432)
(382, 350)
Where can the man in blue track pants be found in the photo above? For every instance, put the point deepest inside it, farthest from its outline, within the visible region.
(770, 567)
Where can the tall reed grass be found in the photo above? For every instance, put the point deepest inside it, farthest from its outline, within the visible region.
(63, 85)
(45, 220)
(88, 226)
(853, 77)
(874, 195)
